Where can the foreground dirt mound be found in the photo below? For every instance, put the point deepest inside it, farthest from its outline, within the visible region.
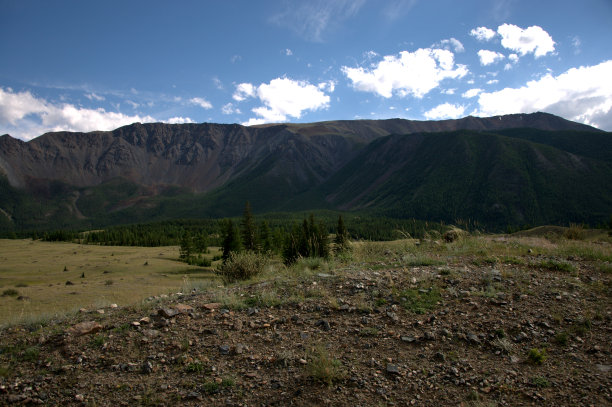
(455, 328)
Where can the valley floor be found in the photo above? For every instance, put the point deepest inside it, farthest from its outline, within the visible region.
(484, 321)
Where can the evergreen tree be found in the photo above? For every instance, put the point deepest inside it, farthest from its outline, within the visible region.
(186, 248)
(231, 240)
(341, 240)
(265, 237)
(249, 237)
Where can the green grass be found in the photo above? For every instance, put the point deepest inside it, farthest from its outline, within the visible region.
(420, 301)
(39, 267)
(537, 356)
(554, 265)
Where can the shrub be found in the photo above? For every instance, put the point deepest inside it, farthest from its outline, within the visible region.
(10, 292)
(537, 356)
(241, 266)
(575, 232)
(554, 265)
(324, 368)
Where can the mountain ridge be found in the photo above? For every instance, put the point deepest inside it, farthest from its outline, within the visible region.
(388, 165)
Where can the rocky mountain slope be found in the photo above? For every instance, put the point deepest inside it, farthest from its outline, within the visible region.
(64, 176)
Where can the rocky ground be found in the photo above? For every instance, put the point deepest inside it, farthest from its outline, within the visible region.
(483, 322)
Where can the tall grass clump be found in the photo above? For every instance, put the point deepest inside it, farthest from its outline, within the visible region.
(241, 266)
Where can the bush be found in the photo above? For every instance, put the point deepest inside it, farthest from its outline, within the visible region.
(9, 292)
(241, 266)
(575, 232)
(537, 356)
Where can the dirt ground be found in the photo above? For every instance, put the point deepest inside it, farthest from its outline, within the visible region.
(486, 321)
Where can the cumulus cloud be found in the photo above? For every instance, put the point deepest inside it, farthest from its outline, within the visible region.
(288, 52)
(489, 57)
(203, 103)
(445, 111)
(453, 43)
(283, 98)
(483, 33)
(312, 19)
(581, 94)
(243, 92)
(179, 120)
(525, 41)
(26, 116)
(229, 108)
(409, 73)
(470, 93)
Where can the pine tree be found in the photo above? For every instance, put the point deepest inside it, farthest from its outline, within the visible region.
(265, 237)
(186, 249)
(341, 240)
(231, 240)
(249, 237)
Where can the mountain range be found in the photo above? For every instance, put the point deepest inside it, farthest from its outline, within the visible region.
(497, 171)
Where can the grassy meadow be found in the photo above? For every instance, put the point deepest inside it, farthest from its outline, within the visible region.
(34, 276)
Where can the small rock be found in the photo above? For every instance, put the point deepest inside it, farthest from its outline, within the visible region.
(439, 356)
(324, 324)
(184, 308)
(85, 328)
(392, 369)
(100, 311)
(146, 367)
(252, 311)
(224, 349)
(603, 368)
(167, 312)
(521, 337)
(135, 323)
(408, 339)
(212, 306)
(473, 338)
(145, 320)
(79, 397)
(113, 305)
(302, 361)
(238, 325)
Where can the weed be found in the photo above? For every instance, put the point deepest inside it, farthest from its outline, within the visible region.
(31, 354)
(539, 382)
(503, 344)
(561, 338)
(194, 367)
(108, 282)
(4, 371)
(369, 331)
(210, 387)
(323, 368)
(537, 356)
(605, 268)
(98, 341)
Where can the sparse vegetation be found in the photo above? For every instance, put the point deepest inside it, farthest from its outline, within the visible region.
(322, 367)
(537, 356)
(241, 266)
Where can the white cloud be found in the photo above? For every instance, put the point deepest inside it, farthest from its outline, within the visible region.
(581, 94)
(395, 9)
(26, 116)
(312, 19)
(93, 96)
(410, 73)
(283, 98)
(453, 43)
(576, 43)
(218, 83)
(179, 120)
(229, 108)
(445, 111)
(288, 52)
(243, 92)
(448, 91)
(483, 33)
(328, 86)
(470, 93)
(492, 81)
(203, 103)
(489, 57)
(524, 41)
(132, 103)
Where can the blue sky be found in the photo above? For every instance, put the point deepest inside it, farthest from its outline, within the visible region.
(87, 65)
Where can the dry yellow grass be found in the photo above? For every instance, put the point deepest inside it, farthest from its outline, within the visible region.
(39, 271)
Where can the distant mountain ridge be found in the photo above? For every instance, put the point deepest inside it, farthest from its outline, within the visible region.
(164, 170)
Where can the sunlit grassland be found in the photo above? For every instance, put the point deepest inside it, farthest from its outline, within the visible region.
(35, 274)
